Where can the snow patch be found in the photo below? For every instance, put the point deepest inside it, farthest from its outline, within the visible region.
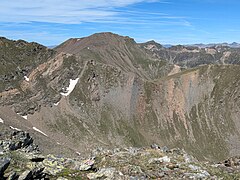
(55, 104)
(26, 78)
(1, 121)
(15, 128)
(71, 87)
(36, 129)
(25, 117)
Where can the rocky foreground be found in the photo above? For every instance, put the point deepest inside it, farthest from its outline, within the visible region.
(21, 159)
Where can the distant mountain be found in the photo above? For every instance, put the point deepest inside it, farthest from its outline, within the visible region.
(231, 45)
(107, 91)
(195, 55)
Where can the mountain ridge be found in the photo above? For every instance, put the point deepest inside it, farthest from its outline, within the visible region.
(129, 94)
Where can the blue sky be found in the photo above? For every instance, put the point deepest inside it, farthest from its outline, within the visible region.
(51, 22)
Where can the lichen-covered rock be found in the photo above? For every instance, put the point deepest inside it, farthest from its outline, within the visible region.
(84, 165)
(52, 165)
(105, 173)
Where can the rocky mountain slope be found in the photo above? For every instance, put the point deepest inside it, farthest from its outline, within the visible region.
(21, 159)
(192, 56)
(18, 58)
(118, 51)
(108, 91)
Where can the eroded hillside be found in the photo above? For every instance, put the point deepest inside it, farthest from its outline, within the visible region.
(124, 96)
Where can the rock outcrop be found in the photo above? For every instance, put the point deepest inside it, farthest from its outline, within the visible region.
(120, 163)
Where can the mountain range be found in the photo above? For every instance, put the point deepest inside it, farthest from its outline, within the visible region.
(108, 91)
(232, 45)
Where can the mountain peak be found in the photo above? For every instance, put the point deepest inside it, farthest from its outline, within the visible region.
(103, 36)
(95, 41)
(151, 45)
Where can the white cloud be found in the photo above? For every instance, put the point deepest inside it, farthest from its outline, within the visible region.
(61, 11)
(50, 22)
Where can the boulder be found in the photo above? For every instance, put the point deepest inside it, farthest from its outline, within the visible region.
(84, 165)
(15, 145)
(155, 146)
(52, 166)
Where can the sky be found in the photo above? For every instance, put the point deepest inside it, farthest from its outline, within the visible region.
(50, 22)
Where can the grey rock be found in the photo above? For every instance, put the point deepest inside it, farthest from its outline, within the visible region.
(1, 150)
(133, 151)
(164, 159)
(15, 145)
(53, 165)
(164, 149)
(13, 176)
(161, 174)
(27, 140)
(4, 163)
(84, 165)
(194, 168)
(26, 175)
(155, 146)
(37, 173)
(188, 158)
(202, 175)
(107, 173)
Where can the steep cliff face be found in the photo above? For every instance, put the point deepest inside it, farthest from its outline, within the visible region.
(96, 92)
(198, 110)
